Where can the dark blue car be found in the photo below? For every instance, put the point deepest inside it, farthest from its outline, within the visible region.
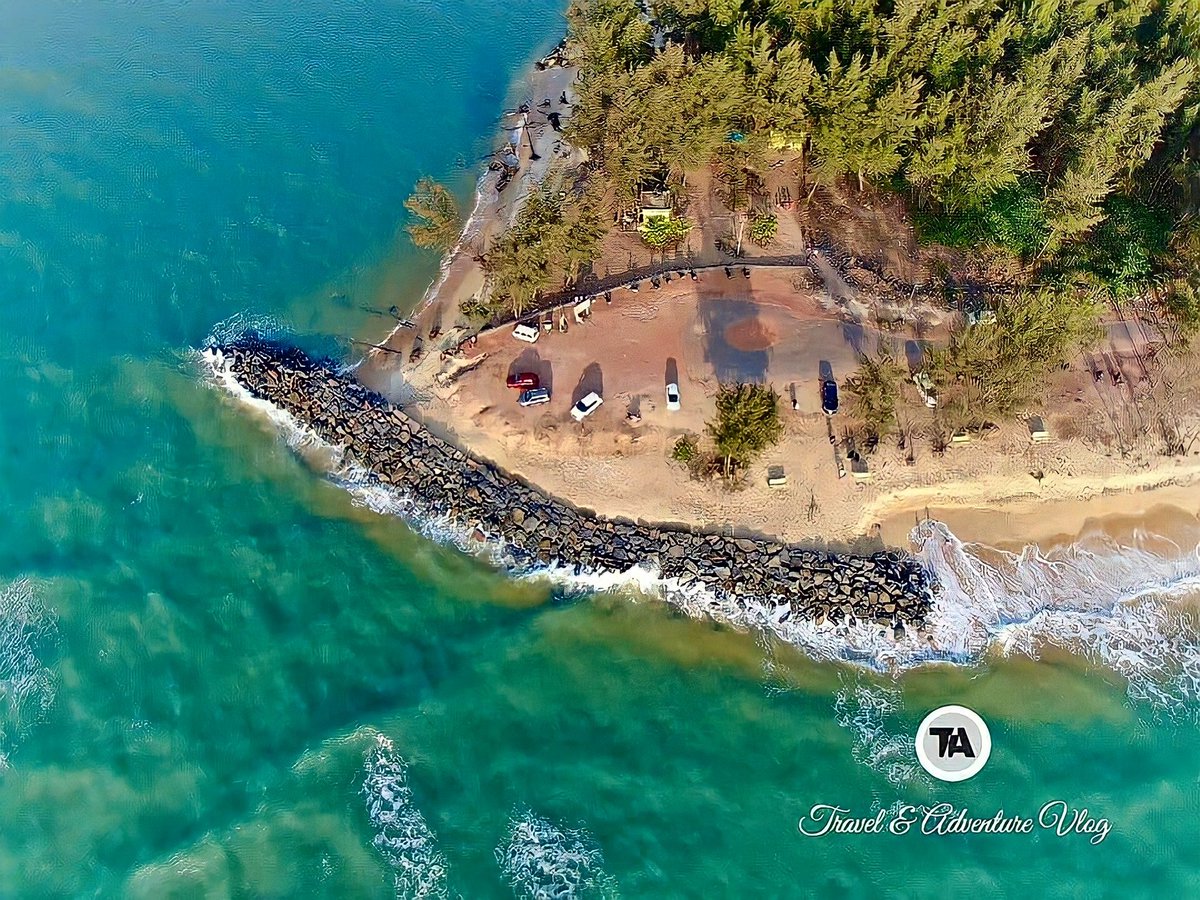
(829, 398)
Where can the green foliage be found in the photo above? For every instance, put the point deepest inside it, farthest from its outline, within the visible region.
(1182, 280)
(1011, 218)
(1183, 305)
(1023, 117)
(875, 388)
(664, 231)
(988, 371)
(550, 243)
(686, 450)
(763, 229)
(1121, 252)
(438, 221)
(746, 424)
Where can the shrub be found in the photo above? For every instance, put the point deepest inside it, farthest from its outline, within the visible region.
(1012, 218)
(1121, 252)
(763, 229)
(686, 450)
(664, 231)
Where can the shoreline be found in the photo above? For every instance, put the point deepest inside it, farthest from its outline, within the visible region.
(982, 492)
(1115, 506)
(460, 275)
(754, 583)
(945, 601)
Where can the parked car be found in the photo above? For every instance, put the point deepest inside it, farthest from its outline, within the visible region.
(523, 381)
(829, 396)
(673, 397)
(527, 333)
(534, 396)
(586, 406)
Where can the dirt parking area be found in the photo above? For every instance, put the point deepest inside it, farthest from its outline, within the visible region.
(697, 334)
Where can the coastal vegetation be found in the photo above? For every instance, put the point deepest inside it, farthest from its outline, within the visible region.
(989, 370)
(875, 388)
(553, 238)
(1064, 132)
(437, 221)
(661, 232)
(763, 229)
(747, 423)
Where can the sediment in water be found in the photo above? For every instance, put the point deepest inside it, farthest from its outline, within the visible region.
(374, 436)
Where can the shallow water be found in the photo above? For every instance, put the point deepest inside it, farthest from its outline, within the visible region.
(204, 644)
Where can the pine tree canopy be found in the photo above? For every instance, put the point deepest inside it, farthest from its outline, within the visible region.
(953, 101)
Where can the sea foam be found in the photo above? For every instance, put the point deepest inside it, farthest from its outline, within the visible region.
(1115, 604)
(543, 861)
(868, 712)
(28, 632)
(402, 836)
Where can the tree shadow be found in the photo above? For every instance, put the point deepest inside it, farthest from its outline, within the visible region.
(855, 335)
(733, 364)
(592, 380)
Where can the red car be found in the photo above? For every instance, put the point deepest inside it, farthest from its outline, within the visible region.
(524, 381)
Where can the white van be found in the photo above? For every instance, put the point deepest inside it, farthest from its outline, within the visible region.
(527, 333)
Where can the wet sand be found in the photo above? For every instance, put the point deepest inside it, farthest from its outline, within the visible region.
(1170, 514)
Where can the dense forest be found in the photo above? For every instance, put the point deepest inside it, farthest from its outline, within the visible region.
(1065, 130)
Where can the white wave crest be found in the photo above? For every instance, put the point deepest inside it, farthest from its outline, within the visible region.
(244, 323)
(868, 712)
(542, 861)
(28, 631)
(1112, 603)
(402, 836)
(1116, 604)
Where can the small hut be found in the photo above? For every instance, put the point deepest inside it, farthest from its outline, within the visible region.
(654, 205)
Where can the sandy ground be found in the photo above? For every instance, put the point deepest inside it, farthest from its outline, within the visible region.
(788, 327)
(700, 333)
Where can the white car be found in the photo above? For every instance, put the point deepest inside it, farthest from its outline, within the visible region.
(673, 397)
(527, 333)
(586, 406)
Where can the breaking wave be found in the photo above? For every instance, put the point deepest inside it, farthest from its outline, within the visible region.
(879, 743)
(242, 324)
(1115, 604)
(402, 836)
(542, 861)
(28, 632)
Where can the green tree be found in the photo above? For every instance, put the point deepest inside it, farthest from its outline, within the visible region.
(763, 229)
(746, 424)
(438, 222)
(990, 370)
(875, 388)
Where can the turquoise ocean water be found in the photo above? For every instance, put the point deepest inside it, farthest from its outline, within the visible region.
(221, 676)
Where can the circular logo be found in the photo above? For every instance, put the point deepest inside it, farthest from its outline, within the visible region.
(953, 743)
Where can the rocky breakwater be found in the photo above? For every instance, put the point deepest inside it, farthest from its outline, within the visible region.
(753, 581)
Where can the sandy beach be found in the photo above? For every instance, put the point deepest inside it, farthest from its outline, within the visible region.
(693, 334)
(788, 326)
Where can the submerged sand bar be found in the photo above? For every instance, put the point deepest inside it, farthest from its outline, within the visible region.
(756, 579)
